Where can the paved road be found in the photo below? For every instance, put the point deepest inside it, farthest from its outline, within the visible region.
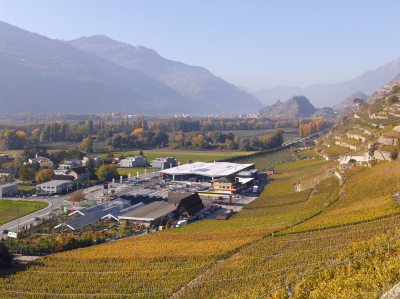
(54, 205)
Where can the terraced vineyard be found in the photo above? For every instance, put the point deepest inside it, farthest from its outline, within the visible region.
(279, 237)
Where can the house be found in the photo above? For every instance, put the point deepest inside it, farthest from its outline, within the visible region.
(71, 163)
(54, 187)
(164, 162)
(152, 214)
(96, 161)
(186, 203)
(5, 173)
(135, 161)
(8, 190)
(228, 184)
(271, 171)
(80, 173)
(43, 161)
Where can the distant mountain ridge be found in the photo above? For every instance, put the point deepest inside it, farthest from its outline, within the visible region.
(44, 75)
(212, 94)
(332, 94)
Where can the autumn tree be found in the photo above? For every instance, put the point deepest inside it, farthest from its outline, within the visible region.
(77, 196)
(44, 175)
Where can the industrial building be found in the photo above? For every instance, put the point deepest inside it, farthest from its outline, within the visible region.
(164, 162)
(54, 187)
(136, 161)
(201, 171)
(8, 190)
(152, 214)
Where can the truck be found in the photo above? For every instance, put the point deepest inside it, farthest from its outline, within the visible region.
(255, 189)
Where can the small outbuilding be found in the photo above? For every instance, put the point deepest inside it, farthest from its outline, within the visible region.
(271, 171)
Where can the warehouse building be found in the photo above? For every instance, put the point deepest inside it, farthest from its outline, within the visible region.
(164, 162)
(8, 190)
(54, 187)
(207, 172)
(152, 214)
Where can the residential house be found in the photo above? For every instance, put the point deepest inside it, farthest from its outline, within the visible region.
(80, 173)
(95, 160)
(43, 161)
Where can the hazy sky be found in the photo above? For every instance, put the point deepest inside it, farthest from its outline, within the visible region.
(256, 44)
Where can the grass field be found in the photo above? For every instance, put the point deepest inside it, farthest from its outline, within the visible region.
(9, 208)
(25, 188)
(181, 156)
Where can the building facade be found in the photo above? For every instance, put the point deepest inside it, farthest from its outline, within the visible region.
(54, 187)
(164, 162)
(9, 190)
(136, 161)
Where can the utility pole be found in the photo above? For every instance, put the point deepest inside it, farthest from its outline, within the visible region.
(18, 219)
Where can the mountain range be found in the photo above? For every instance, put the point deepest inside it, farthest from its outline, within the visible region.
(332, 94)
(45, 75)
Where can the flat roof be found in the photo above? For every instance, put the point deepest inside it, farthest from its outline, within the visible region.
(213, 169)
(150, 212)
(55, 183)
(7, 185)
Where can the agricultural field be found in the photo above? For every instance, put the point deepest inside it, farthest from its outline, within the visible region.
(9, 208)
(268, 160)
(281, 236)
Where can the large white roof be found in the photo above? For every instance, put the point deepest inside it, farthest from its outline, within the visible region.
(213, 169)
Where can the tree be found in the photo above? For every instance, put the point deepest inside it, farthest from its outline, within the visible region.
(86, 145)
(44, 175)
(26, 173)
(77, 196)
(107, 172)
(5, 256)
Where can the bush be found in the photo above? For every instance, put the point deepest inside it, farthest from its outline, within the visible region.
(5, 256)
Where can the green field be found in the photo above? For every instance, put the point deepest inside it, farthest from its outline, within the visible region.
(25, 188)
(9, 208)
(182, 156)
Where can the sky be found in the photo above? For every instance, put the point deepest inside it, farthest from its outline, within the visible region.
(255, 44)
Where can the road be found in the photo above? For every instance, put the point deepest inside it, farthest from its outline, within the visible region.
(54, 205)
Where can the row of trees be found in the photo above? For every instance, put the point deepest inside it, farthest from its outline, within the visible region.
(315, 126)
(217, 139)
